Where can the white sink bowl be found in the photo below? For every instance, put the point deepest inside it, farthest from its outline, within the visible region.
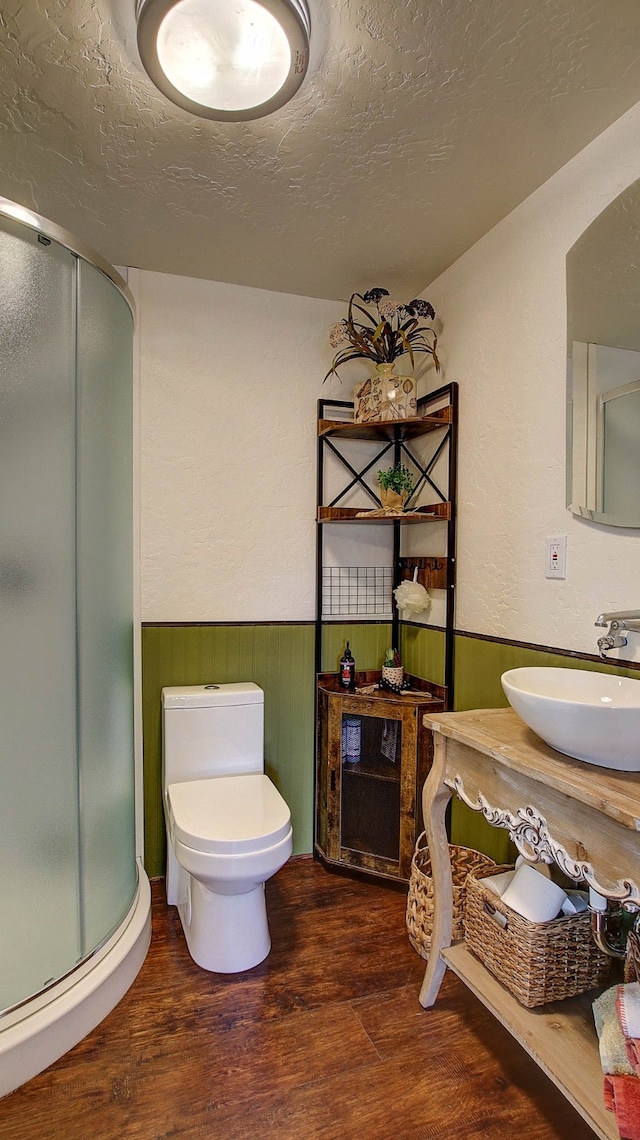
(591, 716)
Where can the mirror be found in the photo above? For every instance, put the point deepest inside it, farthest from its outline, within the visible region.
(603, 388)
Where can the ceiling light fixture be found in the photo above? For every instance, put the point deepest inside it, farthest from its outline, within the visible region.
(225, 59)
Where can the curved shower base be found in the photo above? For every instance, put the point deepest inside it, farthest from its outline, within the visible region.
(43, 1029)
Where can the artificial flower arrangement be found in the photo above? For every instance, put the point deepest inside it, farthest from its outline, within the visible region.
(385, 330)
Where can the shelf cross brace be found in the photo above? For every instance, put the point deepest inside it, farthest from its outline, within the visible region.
(358, 476)
(426, 469)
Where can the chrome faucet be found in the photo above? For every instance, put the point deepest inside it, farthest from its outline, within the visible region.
(628, 620)
(621, 617)
(610, 641)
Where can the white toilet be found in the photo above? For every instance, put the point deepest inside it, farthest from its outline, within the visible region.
(228, 827)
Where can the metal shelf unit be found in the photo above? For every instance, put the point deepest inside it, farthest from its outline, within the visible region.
(368, 808)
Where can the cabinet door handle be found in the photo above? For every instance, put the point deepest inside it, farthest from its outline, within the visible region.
(333, 779)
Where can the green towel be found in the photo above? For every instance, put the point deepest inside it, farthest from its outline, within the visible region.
(613, 1051)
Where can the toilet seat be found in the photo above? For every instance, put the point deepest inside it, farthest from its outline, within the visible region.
(228, 814)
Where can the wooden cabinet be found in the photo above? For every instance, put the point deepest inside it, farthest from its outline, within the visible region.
(368, 812)
(374, 754)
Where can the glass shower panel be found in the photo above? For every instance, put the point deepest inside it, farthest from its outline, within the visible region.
(105, 605)
(38, 764)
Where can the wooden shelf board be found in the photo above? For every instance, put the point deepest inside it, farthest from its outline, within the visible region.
(391, 874)
(352, 845)
(435, 512)
(364, 769)
(389, 429)
(560, 1037)
(422, 692)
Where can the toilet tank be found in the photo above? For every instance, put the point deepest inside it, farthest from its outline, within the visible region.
(212, 730)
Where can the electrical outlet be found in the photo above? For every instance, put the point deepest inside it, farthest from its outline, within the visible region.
(556, 557)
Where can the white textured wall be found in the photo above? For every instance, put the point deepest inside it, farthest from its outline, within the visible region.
(229, 379)
(504, 339)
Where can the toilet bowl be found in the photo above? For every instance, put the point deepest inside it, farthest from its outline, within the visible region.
(227, 833)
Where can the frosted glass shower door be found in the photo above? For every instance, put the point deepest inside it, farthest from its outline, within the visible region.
(67, 823)
(40, 937)
(105, 605)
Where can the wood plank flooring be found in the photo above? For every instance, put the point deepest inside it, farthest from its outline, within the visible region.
(325, 1040)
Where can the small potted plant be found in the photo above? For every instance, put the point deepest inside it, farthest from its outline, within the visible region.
(396, 484)
(392, 670)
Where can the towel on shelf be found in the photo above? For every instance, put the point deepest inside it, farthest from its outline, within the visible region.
(632, 960)
(622, 1098)
(633, 1052)
(628, 1004)
(628, 1016)
(611, 1040)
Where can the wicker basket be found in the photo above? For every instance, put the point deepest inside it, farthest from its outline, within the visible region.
(420, 897)
(538, 962)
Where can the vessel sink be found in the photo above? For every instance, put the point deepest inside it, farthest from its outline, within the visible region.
(593, 717)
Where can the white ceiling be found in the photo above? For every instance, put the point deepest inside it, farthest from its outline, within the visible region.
(420, 125)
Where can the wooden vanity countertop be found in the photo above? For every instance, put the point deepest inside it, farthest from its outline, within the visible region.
(502, 735)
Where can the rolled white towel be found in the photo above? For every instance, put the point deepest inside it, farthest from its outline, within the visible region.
(577, 901)
(498, 883)
(533, 895)
(543, 868)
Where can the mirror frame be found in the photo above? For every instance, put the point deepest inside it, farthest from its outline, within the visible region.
(603, 310)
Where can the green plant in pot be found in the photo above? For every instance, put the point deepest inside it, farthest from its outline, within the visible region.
(396, 484)
(392, 676)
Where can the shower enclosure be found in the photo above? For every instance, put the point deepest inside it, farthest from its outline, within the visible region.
(75, 901)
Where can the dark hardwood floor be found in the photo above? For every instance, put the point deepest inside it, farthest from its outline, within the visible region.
(325, 1040)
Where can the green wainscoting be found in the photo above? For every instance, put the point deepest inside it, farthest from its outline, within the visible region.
(279, 658)
(368, 643)
(421, 648)
(479, 664)
(422, 651)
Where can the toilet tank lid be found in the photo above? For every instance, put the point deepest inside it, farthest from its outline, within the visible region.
(210, 696)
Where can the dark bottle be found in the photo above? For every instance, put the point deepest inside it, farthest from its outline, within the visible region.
(347, 670)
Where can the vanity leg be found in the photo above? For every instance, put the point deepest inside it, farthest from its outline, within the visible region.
(435, 797)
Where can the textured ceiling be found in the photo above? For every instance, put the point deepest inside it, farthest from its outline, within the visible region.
(420, 125)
